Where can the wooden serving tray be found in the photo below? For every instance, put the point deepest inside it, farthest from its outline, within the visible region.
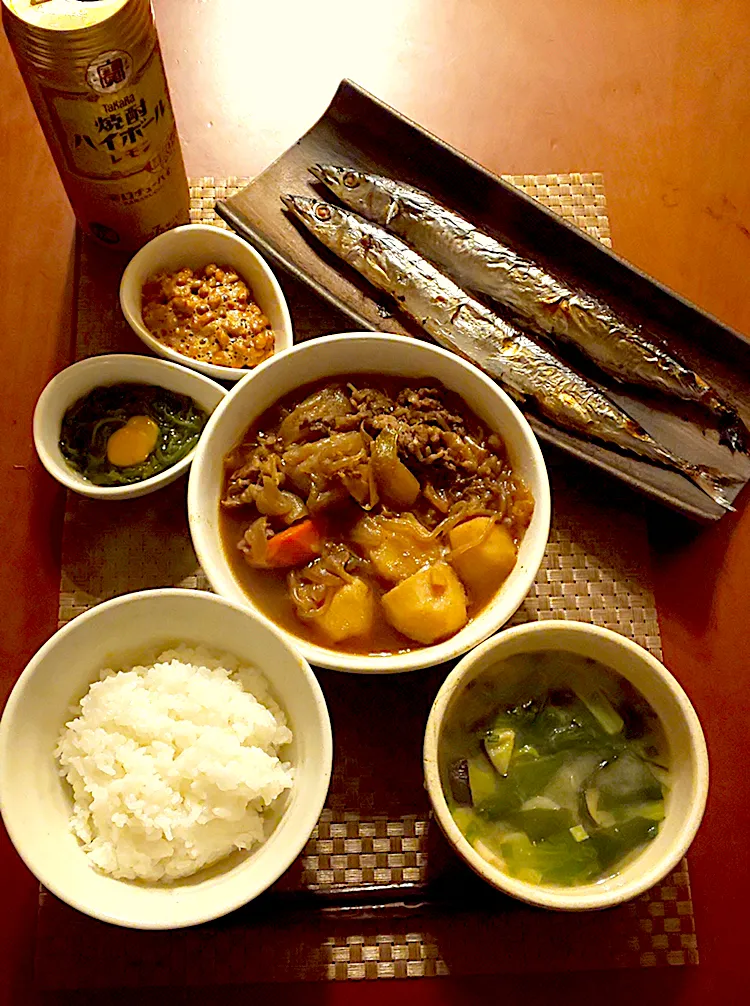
(359, 130)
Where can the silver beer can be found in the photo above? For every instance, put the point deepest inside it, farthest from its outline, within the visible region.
(94, 72)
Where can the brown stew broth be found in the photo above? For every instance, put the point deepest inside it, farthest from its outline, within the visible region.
(268, 587)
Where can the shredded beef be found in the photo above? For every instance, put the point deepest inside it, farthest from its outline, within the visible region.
(449, 452)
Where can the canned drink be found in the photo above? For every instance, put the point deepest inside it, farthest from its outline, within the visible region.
(94, 71)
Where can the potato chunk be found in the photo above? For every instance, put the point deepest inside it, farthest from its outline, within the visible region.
(350, 612)
(427, 606)
(488, 553)
(396, 546)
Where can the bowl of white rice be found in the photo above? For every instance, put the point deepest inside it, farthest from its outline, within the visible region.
(164, 759)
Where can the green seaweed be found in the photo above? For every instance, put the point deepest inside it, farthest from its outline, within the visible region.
(90, 422)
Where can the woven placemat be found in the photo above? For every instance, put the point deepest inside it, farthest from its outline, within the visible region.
(374, 841)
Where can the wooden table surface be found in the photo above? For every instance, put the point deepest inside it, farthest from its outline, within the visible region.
(653, 93)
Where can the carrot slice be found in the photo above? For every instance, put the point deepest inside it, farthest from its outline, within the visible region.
(296, 545)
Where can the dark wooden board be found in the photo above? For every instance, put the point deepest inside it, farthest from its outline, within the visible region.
(359, 130)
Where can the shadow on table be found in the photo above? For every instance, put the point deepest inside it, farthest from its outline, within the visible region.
(660, 986)
(113, 547)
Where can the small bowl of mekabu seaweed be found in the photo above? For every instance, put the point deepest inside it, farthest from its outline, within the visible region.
(566, 765)
(120, 426)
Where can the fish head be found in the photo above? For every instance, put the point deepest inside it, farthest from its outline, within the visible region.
(369, 195)
(345, 233)
(342, 182)
(335, 227)
(316, 214)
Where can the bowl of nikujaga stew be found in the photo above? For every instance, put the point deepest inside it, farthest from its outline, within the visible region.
(379, 500)
(119, 426)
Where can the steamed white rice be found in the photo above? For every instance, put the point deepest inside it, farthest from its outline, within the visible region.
(174, 764)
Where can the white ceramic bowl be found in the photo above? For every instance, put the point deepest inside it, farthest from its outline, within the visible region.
(363, 353)
(686, 800)
(36, 802)
(115, 368)
(192, 246)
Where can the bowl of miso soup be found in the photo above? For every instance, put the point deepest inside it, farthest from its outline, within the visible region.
(566, 765)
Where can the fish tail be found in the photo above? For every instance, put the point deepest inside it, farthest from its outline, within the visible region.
(712, 482)
(732, 431)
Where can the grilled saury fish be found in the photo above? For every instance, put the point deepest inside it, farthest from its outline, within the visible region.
(540, 300)
(462, 324)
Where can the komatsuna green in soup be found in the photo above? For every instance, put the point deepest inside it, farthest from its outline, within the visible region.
(554, 768)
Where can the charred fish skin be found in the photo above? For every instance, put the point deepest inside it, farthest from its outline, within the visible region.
(537, 298)
(462, 324)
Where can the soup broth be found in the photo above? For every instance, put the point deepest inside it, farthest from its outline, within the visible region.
(394, 511)
(554, 768)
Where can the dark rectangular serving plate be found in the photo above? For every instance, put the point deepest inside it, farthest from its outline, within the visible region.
(359, 130)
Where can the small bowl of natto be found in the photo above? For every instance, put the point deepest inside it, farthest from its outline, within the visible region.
(201, 296)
